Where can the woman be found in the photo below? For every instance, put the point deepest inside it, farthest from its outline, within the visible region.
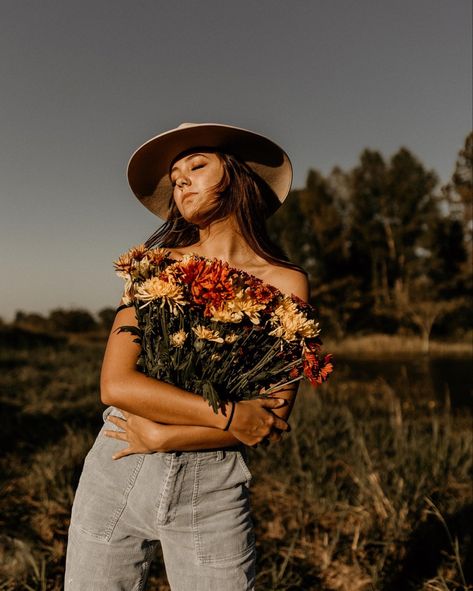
(178, 473)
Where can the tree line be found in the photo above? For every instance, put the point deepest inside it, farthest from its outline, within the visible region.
(386, 249)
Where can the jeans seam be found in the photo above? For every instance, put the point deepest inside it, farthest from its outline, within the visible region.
(244, 467)
(131, 482)
(159, 519)
(195, 496)
(225, 559)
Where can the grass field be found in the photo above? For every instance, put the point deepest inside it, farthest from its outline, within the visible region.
(365, 493)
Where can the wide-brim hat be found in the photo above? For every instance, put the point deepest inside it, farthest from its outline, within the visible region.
(149, 166)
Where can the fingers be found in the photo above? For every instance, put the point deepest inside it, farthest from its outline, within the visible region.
(273, 402)
(116, 435)
(117, 421)
(122, 453)
(280, 424)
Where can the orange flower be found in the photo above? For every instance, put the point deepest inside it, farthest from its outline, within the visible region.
(294, 373)
(138, 252)
(126, 263)
(259, 291)
(315, 370)
(210, 282)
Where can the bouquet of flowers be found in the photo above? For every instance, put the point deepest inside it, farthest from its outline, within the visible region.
(218, 331)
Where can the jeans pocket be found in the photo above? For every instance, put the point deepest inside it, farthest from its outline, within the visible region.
(103, 489)
(222, 524)
(243, 459)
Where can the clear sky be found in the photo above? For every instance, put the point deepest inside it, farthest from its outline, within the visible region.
(84, 83)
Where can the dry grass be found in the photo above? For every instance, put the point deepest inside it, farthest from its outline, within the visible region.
(383, 345)
(366, 493)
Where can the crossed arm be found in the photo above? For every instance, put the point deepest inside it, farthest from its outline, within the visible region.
(163, 417)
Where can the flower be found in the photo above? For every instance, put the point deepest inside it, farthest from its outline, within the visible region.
(234, 310)
(204, 333)
(138, 263)
(178, 338)
(291, 323)
(294, 373)
(259, 291)
(156, 287)
(210, 281)
(261, 337)
(126, 263)
(227, 312)
(315, 371)
(157, 255)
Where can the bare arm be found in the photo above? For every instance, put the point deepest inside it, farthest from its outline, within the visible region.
(145, 435)
(128, 389)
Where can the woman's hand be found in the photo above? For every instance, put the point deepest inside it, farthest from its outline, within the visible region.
(142, 435)
(253, 420)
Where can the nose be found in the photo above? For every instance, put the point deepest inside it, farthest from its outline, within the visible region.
(182, 181)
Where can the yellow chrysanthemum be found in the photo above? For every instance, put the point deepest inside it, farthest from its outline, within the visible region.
(178, 338)
(231, 338)
(156, 288)
(157, 255)
(139, 261)
(248, 306)
(204, 333)
(226, 312)
(291, 323)
(233, 310)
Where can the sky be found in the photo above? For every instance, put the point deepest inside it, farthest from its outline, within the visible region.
(84, 83)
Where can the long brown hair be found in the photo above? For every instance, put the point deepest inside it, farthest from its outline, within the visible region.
(241, 193)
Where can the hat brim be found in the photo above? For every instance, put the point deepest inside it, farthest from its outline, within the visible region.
(148, 168)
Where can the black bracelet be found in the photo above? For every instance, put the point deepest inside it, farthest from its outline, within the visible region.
(232, 412)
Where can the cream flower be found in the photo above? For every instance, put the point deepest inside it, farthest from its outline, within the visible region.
(227, 312)
(204, 333)
(156, 288)
(231, 338)
(178, 338)
(291, 323)
(248, 306)
(234, 310)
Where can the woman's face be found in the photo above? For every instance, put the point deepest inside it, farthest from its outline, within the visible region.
(193, 178)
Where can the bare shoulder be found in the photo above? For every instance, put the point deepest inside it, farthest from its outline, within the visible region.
(289, 281)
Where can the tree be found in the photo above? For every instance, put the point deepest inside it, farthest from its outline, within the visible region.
(31, 321)
(462, 183)
(368, 246)
(75, 320)
(106, 317)
(310, 227)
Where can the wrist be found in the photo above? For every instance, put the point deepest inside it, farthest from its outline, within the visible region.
(155, 439)
(225, 415)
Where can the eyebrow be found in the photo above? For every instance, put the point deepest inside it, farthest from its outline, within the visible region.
(188, 158)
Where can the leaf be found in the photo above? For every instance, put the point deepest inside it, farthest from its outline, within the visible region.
(134, 330)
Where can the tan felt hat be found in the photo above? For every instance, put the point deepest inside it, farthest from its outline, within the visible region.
(148, 168)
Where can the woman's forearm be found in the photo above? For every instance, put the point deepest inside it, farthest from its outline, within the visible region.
(123, 386)
(159, 401)
(191, 438)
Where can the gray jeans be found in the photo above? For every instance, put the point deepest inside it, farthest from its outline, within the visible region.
(196, 504)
